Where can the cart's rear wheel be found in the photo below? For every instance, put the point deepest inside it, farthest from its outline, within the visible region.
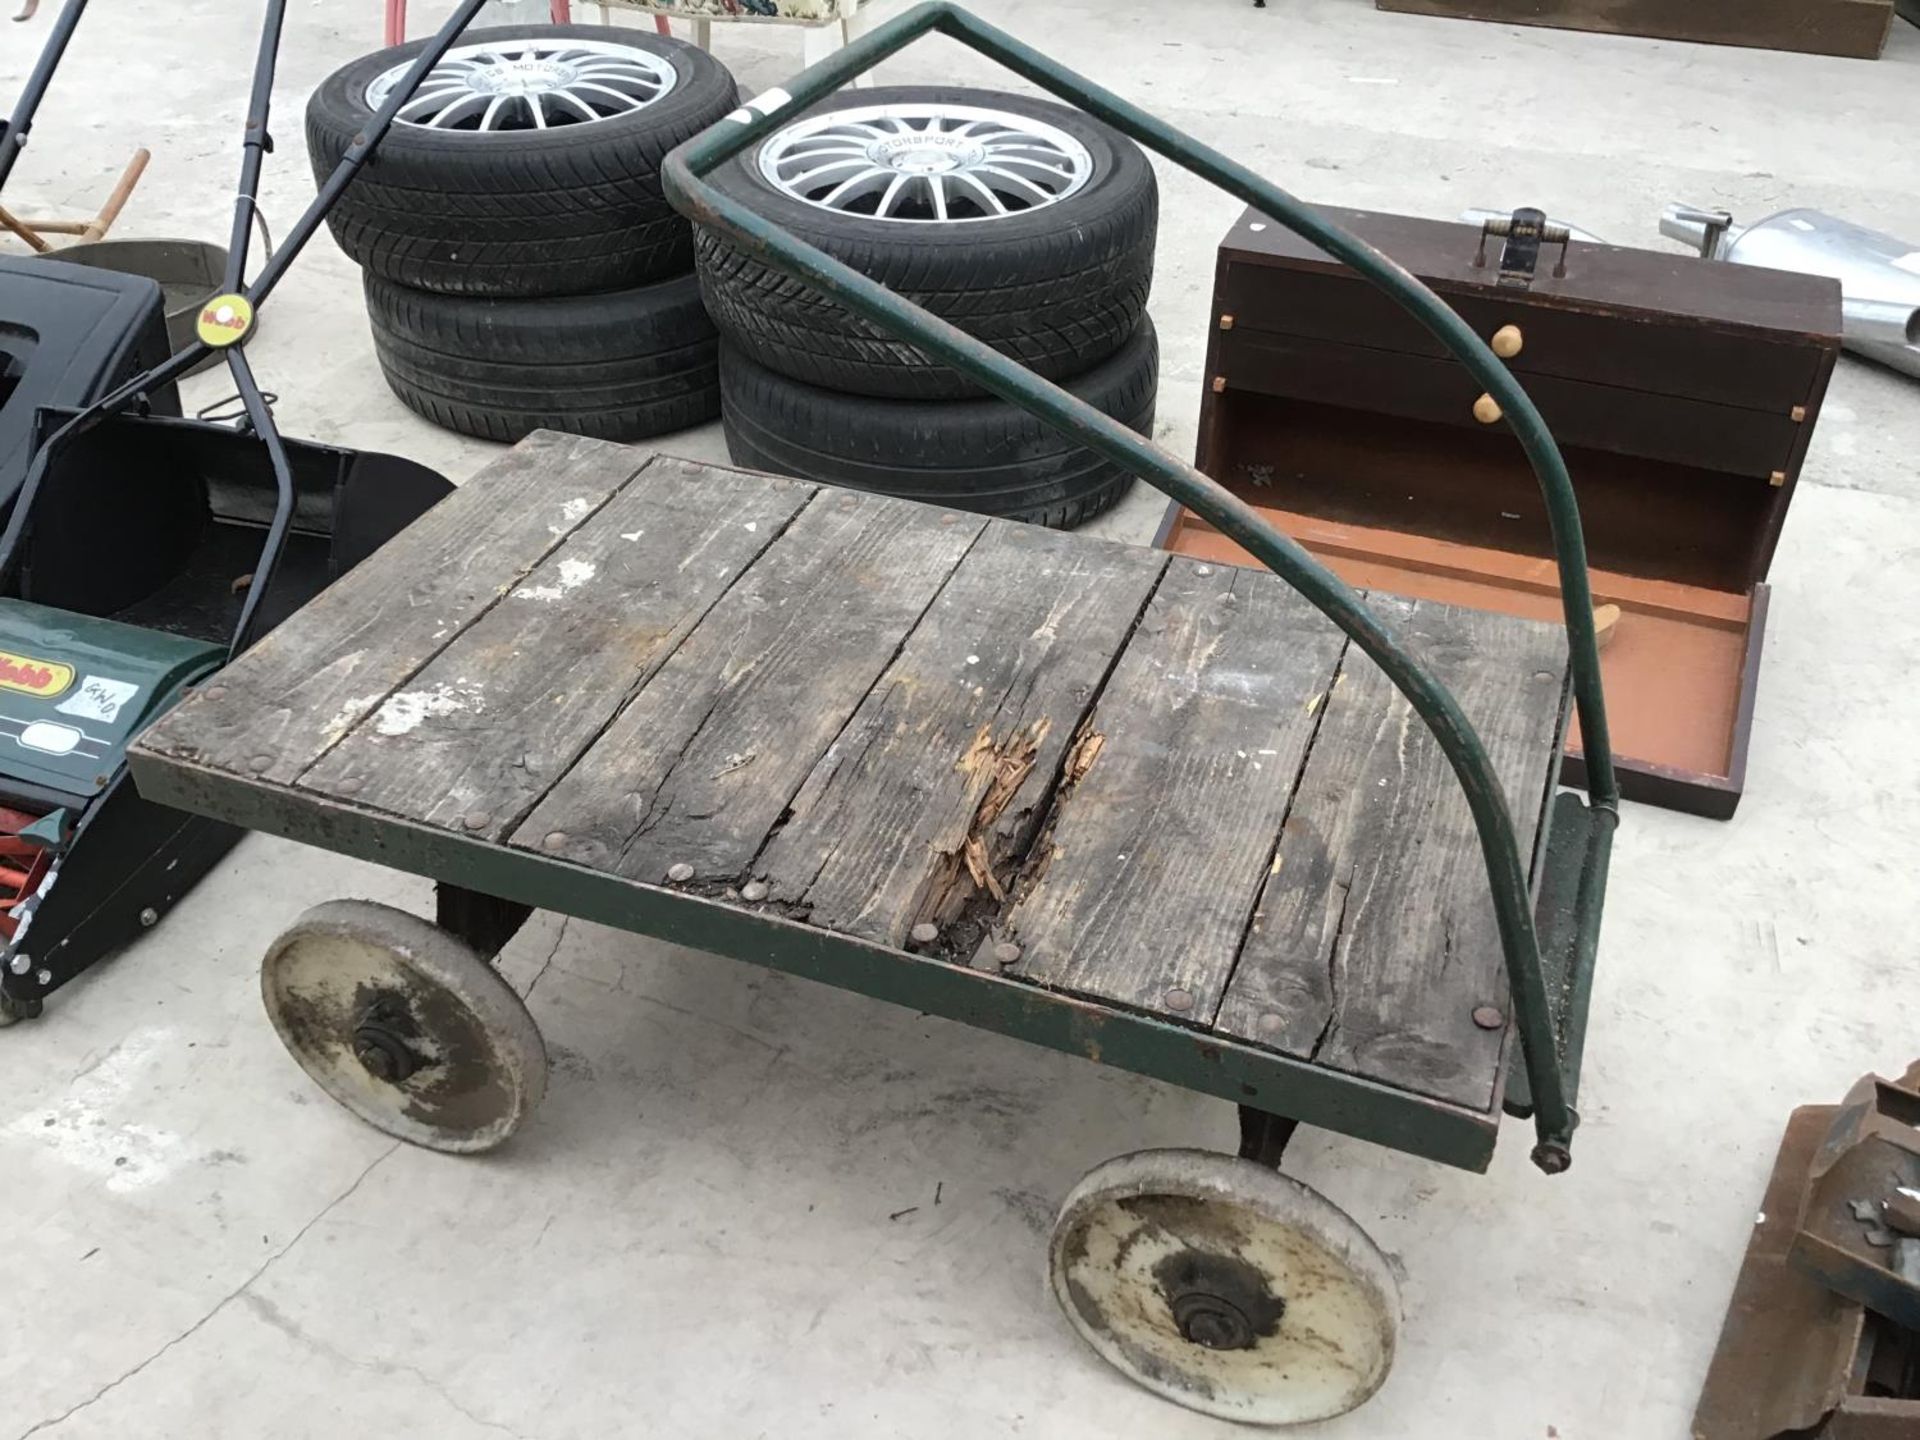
(405, 1025)
(1225, 1286)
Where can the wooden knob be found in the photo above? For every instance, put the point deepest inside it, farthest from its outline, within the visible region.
(1507, 341)
(1486, 410)
(1606, 619)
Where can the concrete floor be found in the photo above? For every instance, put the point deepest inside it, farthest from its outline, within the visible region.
(757, 1207)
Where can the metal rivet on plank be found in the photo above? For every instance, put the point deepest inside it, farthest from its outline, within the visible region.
(149, 917)
(753, 890)
(680, 873)
(1178, 1000)
(554, 839)
(948, 519)
(925, 934)
(215, 692)
(1271, 1024)
(1488, 1017)
(350, 786)
(1203, 569)
(1545, 675)
(1006, 953)
(1226, 322)
(260, 764)
(476, 820)
(1219, 384)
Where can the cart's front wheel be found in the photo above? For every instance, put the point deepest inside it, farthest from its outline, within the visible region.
(405, 1025)
(1225, 1286)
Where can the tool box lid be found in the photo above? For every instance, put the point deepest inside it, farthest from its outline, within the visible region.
(1683, 391)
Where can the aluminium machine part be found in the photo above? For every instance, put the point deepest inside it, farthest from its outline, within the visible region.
(204, 563)
(1879, 274)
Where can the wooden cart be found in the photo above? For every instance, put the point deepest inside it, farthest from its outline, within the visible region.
(1149, 810)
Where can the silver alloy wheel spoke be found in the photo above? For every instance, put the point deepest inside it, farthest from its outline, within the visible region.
(919, 162)
(992, 201)
(832, 165)
(537, 83)
(1039, 192)
(892, 194)
(627, 102)
(1003, 158)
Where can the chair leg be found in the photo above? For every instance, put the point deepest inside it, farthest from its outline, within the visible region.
(23, 230)
(560, 12)
(817, 42)
(659, 23)
(851, 30)
(396, 22)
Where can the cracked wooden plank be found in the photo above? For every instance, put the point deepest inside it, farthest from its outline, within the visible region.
(477, 736)
(942, 775)
(1140, 891)
(308, 682)
(1374, 938)
(698, 768)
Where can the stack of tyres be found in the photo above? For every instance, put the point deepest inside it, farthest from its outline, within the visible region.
(522, 267)
(1025, 223)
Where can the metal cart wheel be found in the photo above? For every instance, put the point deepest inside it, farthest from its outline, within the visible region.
(1225, 1286)
(406, 1025)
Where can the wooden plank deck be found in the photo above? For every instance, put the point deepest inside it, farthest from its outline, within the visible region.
(1163, 786)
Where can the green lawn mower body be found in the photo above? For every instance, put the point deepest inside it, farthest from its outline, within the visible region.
(143, 545)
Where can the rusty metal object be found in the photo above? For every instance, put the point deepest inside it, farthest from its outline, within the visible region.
(1795, 1358)
(1869, 1155)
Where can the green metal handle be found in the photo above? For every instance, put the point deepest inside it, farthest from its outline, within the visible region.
(1554, 1117)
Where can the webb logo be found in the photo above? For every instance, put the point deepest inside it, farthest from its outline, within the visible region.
(45, 678)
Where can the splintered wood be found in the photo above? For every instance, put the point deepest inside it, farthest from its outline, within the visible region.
(1156, 784)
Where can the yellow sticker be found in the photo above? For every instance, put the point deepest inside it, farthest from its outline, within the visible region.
(224, 320)
(45, 678)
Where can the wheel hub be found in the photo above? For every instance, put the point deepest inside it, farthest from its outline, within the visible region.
(522, 77)
(1211, 1321)
(1218, 1301)
(928, 154)
(380, 1040)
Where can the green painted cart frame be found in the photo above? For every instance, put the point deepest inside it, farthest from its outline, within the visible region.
(1549, 954)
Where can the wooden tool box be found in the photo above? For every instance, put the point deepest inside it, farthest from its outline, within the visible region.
(1856, 29)
(1682, 392)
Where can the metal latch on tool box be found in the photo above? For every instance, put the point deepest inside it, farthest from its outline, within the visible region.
(1524, 232)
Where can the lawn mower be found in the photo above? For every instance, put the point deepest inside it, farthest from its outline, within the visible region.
(142, 552)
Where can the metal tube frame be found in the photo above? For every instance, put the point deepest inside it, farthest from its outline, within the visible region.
(684, 173)
(15, 127)
(259, 417)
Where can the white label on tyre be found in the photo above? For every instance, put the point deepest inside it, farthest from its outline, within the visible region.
(98, 698)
